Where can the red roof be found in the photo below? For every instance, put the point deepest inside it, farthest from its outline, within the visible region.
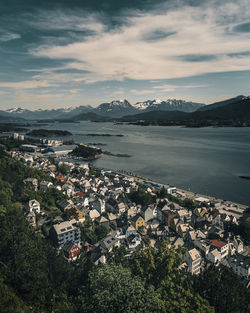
(60, 177)
(80, 194)
(217, 243)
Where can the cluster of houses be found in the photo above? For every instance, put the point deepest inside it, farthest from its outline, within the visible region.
(104, 198)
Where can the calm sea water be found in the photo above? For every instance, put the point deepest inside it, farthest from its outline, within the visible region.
(204, 160)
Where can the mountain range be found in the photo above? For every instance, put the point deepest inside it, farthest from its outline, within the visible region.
(115, 108)
(234, 112)
(157, 110)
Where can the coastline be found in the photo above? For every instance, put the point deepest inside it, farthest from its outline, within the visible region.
(189, 194)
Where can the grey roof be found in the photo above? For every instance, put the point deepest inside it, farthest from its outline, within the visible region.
(64, 227)
(109, 242)
(68, 246)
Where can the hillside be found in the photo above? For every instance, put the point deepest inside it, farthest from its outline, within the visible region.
(157, 115)
(234, 110)
(236, 113)
(221, 103)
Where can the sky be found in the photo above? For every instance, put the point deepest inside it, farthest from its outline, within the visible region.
(68, 53)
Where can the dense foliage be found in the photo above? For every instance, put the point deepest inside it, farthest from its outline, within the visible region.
(86, 152)
(11, 143)
(223, 289)
(141, 197)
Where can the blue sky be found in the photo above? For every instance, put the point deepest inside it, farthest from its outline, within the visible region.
(69, 53)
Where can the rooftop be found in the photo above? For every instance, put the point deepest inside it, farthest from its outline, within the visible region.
(218, 243)
(64, 227)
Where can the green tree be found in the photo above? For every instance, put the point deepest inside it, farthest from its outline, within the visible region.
(9, 301)
(244, 230)
(62, 169)
(141, 197)
(113, 289)
(189, 204)
(101, 231)
(223, 289)
(161, 269)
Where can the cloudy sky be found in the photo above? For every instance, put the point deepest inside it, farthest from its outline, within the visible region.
(70, 53)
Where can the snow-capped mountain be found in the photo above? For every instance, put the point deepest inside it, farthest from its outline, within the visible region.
(168, 105)
(115, 108)
(49, 114)
(17, 110)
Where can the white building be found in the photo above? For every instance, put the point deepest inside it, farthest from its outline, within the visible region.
(33, 206)
(214, 256)
(221, 246)
(193, 260)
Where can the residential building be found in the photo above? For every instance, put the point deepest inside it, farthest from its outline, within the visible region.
(138, 222)
(66, 231)
(33, 206)
(193, 260)
(214, 256)
(71, 250)
(222, 247)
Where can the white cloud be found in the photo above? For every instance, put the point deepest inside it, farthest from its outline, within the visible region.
(69, 20)
(124, 52)
(171, 88)
(44, 99)
(142, 92)
(6, 36)
(166, 87)
(28, 84)
(118, 92)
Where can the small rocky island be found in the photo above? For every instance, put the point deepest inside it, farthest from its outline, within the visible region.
(245, 176)
(86, 152)
(91, 153)
(49, 133)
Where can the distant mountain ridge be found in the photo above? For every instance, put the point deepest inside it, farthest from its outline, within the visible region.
(48, 114)
(168, 105)
(222, 103)
(233, 112)
(115, 108)
(120, 108)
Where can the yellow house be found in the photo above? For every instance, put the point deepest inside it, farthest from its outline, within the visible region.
(200, 212)
(80, 216)
(138, 222)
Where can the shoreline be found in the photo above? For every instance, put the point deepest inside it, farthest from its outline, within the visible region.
(189, 194)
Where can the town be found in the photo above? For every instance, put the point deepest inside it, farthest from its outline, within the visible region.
(103, 210)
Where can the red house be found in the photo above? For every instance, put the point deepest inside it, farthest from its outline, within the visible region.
(71, 250)
(60, 178)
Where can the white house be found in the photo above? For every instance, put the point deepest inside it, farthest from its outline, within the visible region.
(94, 214)
(193, 260)
(214, 256)
(44, 185)
(222, 247)
(98, 205)
(133, 241)
(33, 206)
